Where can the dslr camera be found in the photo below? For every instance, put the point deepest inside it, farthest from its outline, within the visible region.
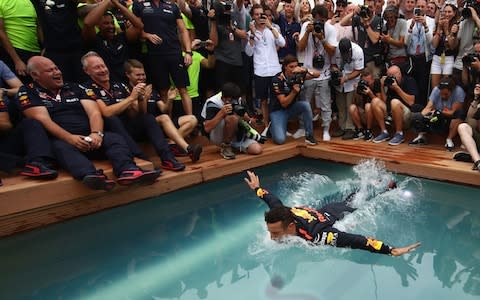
(389, 81)
(336, 75)
(466, 13)
(296, 78)
(224, 16)
(364, 11)
(238, 107)
(362, 86)
(470, 58)
(318, 61)
(318, 26)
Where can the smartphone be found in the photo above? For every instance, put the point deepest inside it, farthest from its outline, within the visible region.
(416, 11)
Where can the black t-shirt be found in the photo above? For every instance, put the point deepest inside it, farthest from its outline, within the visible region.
(361, 37)
(200, 21)
(59, 23)
(280, 86)
(152, 107)
(114, 53)
(287, 30)
(408, 85)
(65, 108)
(162, 21)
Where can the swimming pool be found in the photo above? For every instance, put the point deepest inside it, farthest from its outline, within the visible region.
(209, 242)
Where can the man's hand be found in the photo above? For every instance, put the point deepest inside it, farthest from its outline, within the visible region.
(138, 90)
(403, 250)
(187, 60)
(252, 181)
(227, 109)
(153, 38)
(310, 27)
(21, 68)
(96, 141)
(79, 142)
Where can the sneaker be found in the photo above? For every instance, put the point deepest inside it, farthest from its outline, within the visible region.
(368, 135)
(349, 134)
(177, 150)
(310, 140)
(36, 170)
(98, 181)
(299, 133)
(226, 151)
(418, 141)
(449, 145)
(194, 152)
(266, 131)
(382, 137)
(338, 132)
(130, 177)
(172, 164)
(288, 133)
(357, 134)
(397, 139)
(462, 156)
(326, 136)
(476, 165)
(316, 117)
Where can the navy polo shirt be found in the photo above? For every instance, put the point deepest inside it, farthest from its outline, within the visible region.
(59, 23)
(117, 93)
(65, 108)
(114, 53)
(162, 21)
(152, 107)
(280, 86)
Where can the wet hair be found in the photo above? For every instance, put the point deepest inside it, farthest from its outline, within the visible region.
(277, 214)
(232, 90)
(132, 63)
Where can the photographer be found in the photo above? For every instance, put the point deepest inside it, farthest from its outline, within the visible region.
(443, 113)
(345, 74)
(367, 28)
(471, 67)
(470, 132)
(394, 106)
(225, 122)
(361, 112)
(318, 39)
(284, 102)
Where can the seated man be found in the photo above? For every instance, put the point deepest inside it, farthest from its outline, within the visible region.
(226, 123)
(285, 103)
(470, 132)
(367, 89)
(159, 109)
(116, 99)
(75, 125)
(443, 113)
(394, 106)
(316, 226)
(24, 142)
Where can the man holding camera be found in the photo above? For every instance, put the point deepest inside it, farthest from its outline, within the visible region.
(227, 123)
(470, 132)
(263, 40)
(319, 40)
(367, 28)
(443, 113)
(345, 74)
(394, 106)
(361, 112)
(285, 103)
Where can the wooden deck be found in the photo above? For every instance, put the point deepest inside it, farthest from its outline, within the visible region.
(27, 204)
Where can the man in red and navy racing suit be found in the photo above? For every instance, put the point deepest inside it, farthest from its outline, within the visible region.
(316, 226)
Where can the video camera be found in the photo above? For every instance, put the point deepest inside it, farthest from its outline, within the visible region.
(466, 13)
(432, 118)
(296, 78)
(389, 81)
(362, 87)
(468, 59)
(336, 75)
(238, 107)
(364, 12)
(250, 132)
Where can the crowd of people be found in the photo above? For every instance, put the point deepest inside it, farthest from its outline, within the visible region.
(88, 79)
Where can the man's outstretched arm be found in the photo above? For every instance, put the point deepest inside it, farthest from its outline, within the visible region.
(253, 183)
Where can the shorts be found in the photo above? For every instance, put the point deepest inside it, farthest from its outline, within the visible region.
(407, 117)
(442, 69)
(263, 86)
(216, 137)
(163, 67)
(230, 73)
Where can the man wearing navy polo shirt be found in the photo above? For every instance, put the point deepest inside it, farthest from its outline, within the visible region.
(163, 25)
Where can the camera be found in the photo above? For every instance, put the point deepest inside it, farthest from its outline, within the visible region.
(318, 61)
(364, 11)
(470, 58)
(202, 44)
(297, 78)
(432, 117)
(223, 12)
(263, 19)
(336, 75)
(362, 86)
(389, 81)
(318, 26)
(237, 107)
(466, 13)
(417, 11)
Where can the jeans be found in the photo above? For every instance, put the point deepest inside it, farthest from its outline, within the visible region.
(279, 119)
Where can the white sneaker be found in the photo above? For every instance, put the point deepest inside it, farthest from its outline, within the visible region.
(288, 134)
(326, 136)
(316, 117)
(265, 131)
(299, 133)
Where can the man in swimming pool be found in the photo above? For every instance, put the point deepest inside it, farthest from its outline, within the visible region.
(316, 226)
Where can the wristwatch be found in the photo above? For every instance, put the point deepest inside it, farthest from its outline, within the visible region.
(189, 53)
(99, 133)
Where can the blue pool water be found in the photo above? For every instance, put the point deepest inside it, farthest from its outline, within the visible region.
(209, 242)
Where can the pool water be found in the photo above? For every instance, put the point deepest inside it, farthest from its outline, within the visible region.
(210, 242)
